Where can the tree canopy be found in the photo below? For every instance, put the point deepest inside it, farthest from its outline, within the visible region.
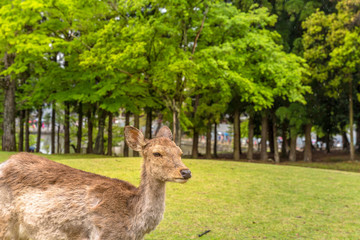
(194, 62)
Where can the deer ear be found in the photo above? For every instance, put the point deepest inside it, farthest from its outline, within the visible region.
(164, 132)
(134, 138)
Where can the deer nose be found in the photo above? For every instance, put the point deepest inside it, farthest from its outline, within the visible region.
(185, 173)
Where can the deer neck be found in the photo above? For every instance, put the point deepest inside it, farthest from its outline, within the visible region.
(150, 205)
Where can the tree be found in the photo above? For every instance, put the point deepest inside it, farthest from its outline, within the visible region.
(8, 139)
(24, 43)
(329, 44)
(189, 60)
(345, 58)
(254, 66)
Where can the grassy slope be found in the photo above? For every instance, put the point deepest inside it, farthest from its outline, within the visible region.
(237, 200)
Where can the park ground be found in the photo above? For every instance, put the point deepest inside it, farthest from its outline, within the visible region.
(242, 200)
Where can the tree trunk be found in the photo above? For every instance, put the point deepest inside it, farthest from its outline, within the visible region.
(237, 135)
(176, 128)
(89, 148)
(110, 137)
(240, 135)
(53, 126)
(39, 125)
(67, 128)
(27, 132)
(99, 142)
(250, 151)
(137, 125)
(351, 121)
(293, 136)
(58, 140)
(195, 145)
(271, 136)
(215, 141)
(274, 137)
(127, 122)
(21, 132)
(79, 132)
(264, 134)
(284, 144)
(345, 141)
(148, 130)
(159, 123)
(308, 144)
(8, 139)
(208, 142)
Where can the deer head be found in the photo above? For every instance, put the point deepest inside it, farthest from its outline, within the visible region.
(162, 158)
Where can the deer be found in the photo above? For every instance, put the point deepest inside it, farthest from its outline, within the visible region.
(44, 200)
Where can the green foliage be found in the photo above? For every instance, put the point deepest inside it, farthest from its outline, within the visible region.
(330, 46)
(330, 42)
(255, 67)
(295, 114)
(244, 129)
(164, 54)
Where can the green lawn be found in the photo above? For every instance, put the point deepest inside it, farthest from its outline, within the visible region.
(349, 166)
(237, 200)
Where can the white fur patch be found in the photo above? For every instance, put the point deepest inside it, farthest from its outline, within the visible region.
(179, 180)
(94, 202)
(95, 233)
(2, 166)
(22, 232)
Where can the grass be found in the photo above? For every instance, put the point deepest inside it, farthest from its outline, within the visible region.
(348, 166)
(237, 200)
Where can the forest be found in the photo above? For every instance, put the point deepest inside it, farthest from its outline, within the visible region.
(290, 68)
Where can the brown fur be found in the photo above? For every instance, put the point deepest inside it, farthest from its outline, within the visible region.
(42, 199)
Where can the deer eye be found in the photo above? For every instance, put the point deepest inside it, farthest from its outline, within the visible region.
(156, 154)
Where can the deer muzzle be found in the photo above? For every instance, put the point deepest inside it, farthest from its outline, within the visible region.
(185, 173)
